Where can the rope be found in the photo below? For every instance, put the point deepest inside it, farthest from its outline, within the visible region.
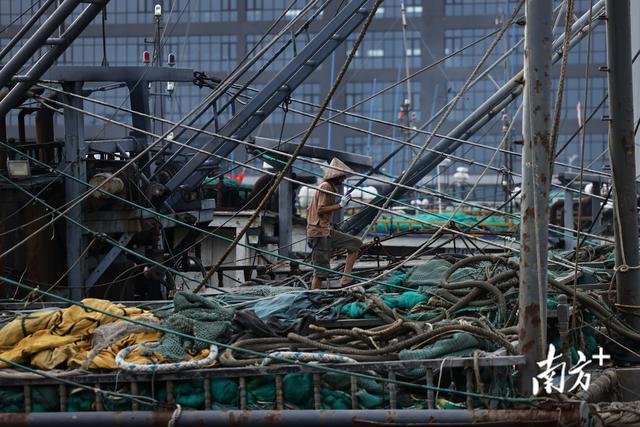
(175, 416)
(307, 357)
(261, 354)
(582, 142)
(121, 361)
(459, 95)
(281, 174)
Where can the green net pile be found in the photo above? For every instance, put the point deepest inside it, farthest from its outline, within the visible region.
(390, 224)
(225, 394)
(195, 315)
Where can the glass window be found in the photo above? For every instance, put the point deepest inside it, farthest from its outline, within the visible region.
(476, 7)
(385, 49)
(279, 59)
(595, 146)
(472, 98)
(478, 157)
(307, 92)
(17, 12)
(367, 146)
(31, 60)
(578, 54)
(455, 39)
(203, 10)
(208, 53)
(270, 10)
(574, 93)
(120, 51)
(187, 96)
(391, 9)
(385, 106)
(118, 97)
(130, 12)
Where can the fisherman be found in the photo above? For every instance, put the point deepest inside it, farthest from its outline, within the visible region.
(323, 238)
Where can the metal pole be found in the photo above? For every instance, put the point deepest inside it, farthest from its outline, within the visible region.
(73, 143)
(37, 40)
(635, 67)
(25, 28)
(472, 123)
(285, 216)
(536, 177)
(569, 241)
(575, 413)
(622, 154)
(16, 94)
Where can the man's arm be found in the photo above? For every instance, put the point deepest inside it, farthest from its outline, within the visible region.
(327, 202)
(328, 209)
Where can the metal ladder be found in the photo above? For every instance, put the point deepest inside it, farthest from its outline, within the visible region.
(43, 37)
(242, 124)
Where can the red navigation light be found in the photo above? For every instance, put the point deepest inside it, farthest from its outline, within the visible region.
(146, 57)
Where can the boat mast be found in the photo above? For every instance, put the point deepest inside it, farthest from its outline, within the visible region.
(622, 155)
(536, 177)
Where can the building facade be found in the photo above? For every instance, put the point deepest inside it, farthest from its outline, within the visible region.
(214, 36)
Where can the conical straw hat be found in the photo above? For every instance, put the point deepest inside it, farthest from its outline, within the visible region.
(336, 169)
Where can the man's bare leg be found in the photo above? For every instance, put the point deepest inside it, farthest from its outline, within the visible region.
(316, 282)
(348, 267)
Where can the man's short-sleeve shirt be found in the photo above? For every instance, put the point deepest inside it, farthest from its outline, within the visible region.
(319, 225)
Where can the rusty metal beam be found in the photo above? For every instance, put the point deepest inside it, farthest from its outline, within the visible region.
(622, 156)
(536, 177)
(574, 414)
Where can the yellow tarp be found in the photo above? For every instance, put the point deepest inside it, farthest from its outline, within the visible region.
(63, 338)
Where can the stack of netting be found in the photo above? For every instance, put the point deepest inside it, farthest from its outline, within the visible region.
(448, 306)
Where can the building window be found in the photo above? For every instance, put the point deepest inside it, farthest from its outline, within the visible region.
(18, 12)
(130, 12)
(456, 39)
(578, 54)
(208, 53)
(391, 9)
(472, 98)
(385, 49)
(595, 151)
(88, 51)
(368, 146)
(118, 97)
(41, 51)
(187, 96)
(479, 157)
(476, 7)
(270, 10)
(141, 11)
(203, 10)
(279, 59)
(307, 92)
(574, 94)
(385, 106)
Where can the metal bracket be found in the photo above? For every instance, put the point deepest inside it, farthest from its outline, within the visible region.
(107, 260)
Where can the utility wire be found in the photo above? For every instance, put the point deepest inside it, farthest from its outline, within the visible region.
(87, 229)
(190, 226)
(289, 179)
(325, 368)
(278, 153)
(281, 175)
(444, 117)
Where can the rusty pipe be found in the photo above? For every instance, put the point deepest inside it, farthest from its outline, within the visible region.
(22, 135)
(44, 132)
(113, 185)
(575, 414)
(21, 130)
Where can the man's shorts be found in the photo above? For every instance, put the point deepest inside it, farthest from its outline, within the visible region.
(323, 246)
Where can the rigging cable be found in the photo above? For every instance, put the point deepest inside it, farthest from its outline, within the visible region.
(444, 117)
